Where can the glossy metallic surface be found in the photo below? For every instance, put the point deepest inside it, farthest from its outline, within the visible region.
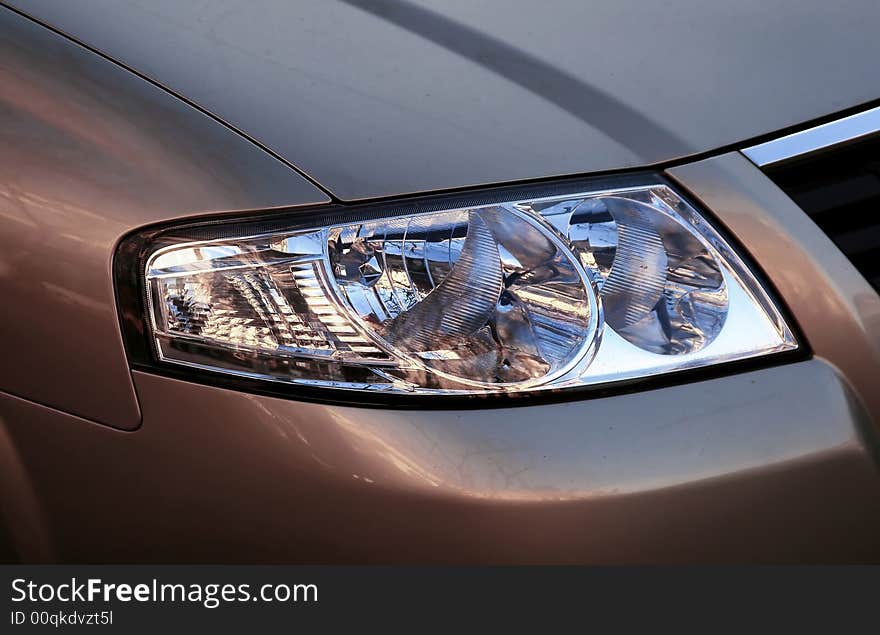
(843, 130)
(382, 97)
(751, 467)
(770, 465)
(89, 152)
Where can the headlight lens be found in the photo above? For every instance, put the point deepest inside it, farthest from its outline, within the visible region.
(546, 292)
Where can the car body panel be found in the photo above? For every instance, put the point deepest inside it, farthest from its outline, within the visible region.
(750, 467)
(89, 152)
(376, 98)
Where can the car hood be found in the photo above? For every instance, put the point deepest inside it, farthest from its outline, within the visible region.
(377, 98)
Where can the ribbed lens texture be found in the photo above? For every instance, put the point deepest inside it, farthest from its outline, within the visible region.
(552, 292)
(661, 287)
(484, 296)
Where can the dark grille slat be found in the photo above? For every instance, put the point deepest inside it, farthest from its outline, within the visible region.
(840, 190)
(868, 262)
(860, 241)
(830, 195)
(847, 218)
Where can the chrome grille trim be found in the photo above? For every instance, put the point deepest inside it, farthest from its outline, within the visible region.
(821, 137)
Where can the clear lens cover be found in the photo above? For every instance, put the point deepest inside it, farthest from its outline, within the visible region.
(550, 292)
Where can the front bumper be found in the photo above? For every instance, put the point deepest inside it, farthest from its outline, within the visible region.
(768, 465)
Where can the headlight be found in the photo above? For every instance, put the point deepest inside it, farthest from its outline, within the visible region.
(551, 290)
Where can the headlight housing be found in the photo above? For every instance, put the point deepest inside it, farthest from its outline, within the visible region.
(512, 292)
